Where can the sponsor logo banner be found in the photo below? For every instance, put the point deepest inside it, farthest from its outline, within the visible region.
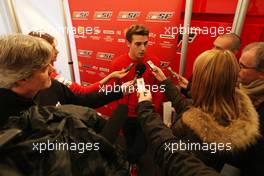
(159, 16)
(102, 15)
(105, 56)
(80, 15)
(84, 53)
(128, 16)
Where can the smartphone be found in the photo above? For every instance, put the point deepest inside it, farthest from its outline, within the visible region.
(7, 135)
(140, 85)
(129, 67)
(150, 63)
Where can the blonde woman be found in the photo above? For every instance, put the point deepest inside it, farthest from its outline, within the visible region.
(221, 123)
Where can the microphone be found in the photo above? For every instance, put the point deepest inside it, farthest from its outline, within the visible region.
(140, 69)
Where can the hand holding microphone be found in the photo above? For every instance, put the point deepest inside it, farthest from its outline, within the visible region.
(144, 96)
(174, 73)
(127, 87)
(140, 69)
(183, 82)
(158, 73)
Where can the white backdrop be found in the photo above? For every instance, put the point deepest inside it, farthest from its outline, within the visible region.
(6, 26)
(46, 16)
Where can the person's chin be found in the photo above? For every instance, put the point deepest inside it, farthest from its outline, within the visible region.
(141, 55)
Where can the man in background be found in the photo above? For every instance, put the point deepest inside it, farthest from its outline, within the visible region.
(251, 78)
(230, 42)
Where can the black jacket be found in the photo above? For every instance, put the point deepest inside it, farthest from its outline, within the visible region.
(177, 163)
(211, 140)
(60, 140)
(12, 104)
(252, 164)
(59, 93)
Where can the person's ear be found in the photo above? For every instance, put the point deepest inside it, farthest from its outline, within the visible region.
(128, 44)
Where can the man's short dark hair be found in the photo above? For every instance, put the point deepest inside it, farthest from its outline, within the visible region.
(136, 30)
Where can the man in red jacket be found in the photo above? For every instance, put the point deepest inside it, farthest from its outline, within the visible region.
(137, 37)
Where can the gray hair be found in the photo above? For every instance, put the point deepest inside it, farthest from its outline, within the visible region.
(258, 48)
(20, 56)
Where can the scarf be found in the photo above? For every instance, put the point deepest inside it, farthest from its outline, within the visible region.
(255, 90)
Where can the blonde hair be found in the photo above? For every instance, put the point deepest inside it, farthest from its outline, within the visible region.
(49, 38)
(215, 76)
(20, 55)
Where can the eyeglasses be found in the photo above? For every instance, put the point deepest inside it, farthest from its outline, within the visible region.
(242, 66)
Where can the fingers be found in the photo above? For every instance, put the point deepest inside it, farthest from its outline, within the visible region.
(144, 96)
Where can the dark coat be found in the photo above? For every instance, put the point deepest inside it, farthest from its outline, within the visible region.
(13, 104)
(252, 162)
(173, 163)
(82, 150)
(59, 93)
(218, 142)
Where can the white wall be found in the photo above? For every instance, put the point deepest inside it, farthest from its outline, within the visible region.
(6, 25)
(46, 16)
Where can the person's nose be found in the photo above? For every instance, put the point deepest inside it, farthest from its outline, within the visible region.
(142, 47)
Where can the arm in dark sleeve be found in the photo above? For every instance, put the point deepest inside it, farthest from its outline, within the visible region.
(158, 136)
(115, 123)
(91, 100)
(94, 120)
(187, 91)
(110, 128)
(173, 95)
(97, 99)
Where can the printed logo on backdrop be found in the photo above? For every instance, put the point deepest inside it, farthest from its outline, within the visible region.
(165, 36)
(151, 43)
(80, 15)
(128, 16)
(121, 40)
(192, 36)
(95, 37)
(118, 32)
(80, 36)
(159, 16)
(94, 67)
(108, 38)
(102, 15)
(84, 53)
(152, 35)
(164, 64)
(105, 56)
(109, 32)
(103, 69)
(86, 66)
(90, 72)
